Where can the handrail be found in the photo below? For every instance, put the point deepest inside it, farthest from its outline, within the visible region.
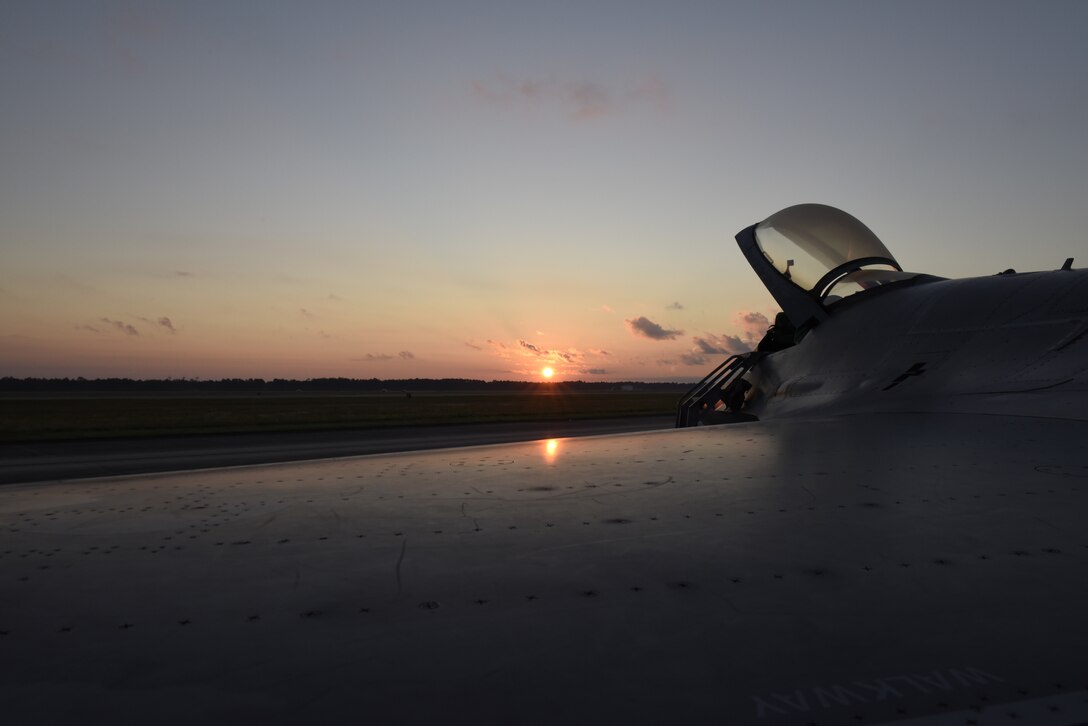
(710, 388)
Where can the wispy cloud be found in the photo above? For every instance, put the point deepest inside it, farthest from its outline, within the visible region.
(131, 30)
(594, 371)
(77, 286)
(550, 354)
(164, 322)
(646, 328)
(306, 313)
(577, 100)
(375, 357)
(122, 326)
(499, 349)
(183, 273)
(675, 306)
(588, 100)
(335, 298)
(88, 328)
(473, 346)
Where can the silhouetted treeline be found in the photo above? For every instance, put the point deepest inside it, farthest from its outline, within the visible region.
(346, 385)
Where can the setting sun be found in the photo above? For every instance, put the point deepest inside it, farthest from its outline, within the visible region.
(547, 372)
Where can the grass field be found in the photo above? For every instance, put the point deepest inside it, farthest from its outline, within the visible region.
(54, 418)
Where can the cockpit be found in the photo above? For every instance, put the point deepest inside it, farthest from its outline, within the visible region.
(815, 260)
(812, 256)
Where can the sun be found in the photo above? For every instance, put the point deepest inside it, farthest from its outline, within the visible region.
(547, 372)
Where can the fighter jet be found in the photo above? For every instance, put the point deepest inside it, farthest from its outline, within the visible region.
(877, 339)
(889, 527)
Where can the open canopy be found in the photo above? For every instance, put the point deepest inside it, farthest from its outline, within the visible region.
(811, 255)
(809, 242)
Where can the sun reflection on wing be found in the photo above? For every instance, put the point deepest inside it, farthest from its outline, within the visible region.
(551, 450)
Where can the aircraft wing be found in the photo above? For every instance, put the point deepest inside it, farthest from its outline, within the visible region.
(931, 569)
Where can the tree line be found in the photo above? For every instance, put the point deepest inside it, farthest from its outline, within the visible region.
(346, 385)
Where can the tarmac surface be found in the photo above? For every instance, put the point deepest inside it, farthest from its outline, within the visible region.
(62, 460)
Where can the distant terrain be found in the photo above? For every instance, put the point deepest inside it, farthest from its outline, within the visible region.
(9, 384)
(60, 409)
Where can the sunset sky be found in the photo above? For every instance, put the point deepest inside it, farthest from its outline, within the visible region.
(483, 189)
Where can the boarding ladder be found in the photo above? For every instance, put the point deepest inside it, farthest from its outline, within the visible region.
(708, 391)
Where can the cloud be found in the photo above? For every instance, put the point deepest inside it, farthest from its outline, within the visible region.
(335, 298)
(550, 354)
(123, 327)
(675, 306)
(132, 30)
(710, 346)
(473, 346)
(607, 309)
(599, 352)
(589, 100)
(578, 100)
(530, 347)
(643, 326)
(652, 91)
(753, 326)
(374, 357)
(720, 345)
(594, 371)
(163, 322)
(77, 286)
(499, 349)
(183, 273)
(89, 328)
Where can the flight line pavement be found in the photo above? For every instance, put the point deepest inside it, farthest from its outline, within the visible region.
(64, 460)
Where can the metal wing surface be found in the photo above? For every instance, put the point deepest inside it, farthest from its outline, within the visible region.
(858, 569)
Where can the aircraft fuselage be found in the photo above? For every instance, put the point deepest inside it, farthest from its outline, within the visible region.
(1010, 343)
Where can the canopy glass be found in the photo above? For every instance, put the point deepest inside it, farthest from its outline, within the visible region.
(812, 245)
